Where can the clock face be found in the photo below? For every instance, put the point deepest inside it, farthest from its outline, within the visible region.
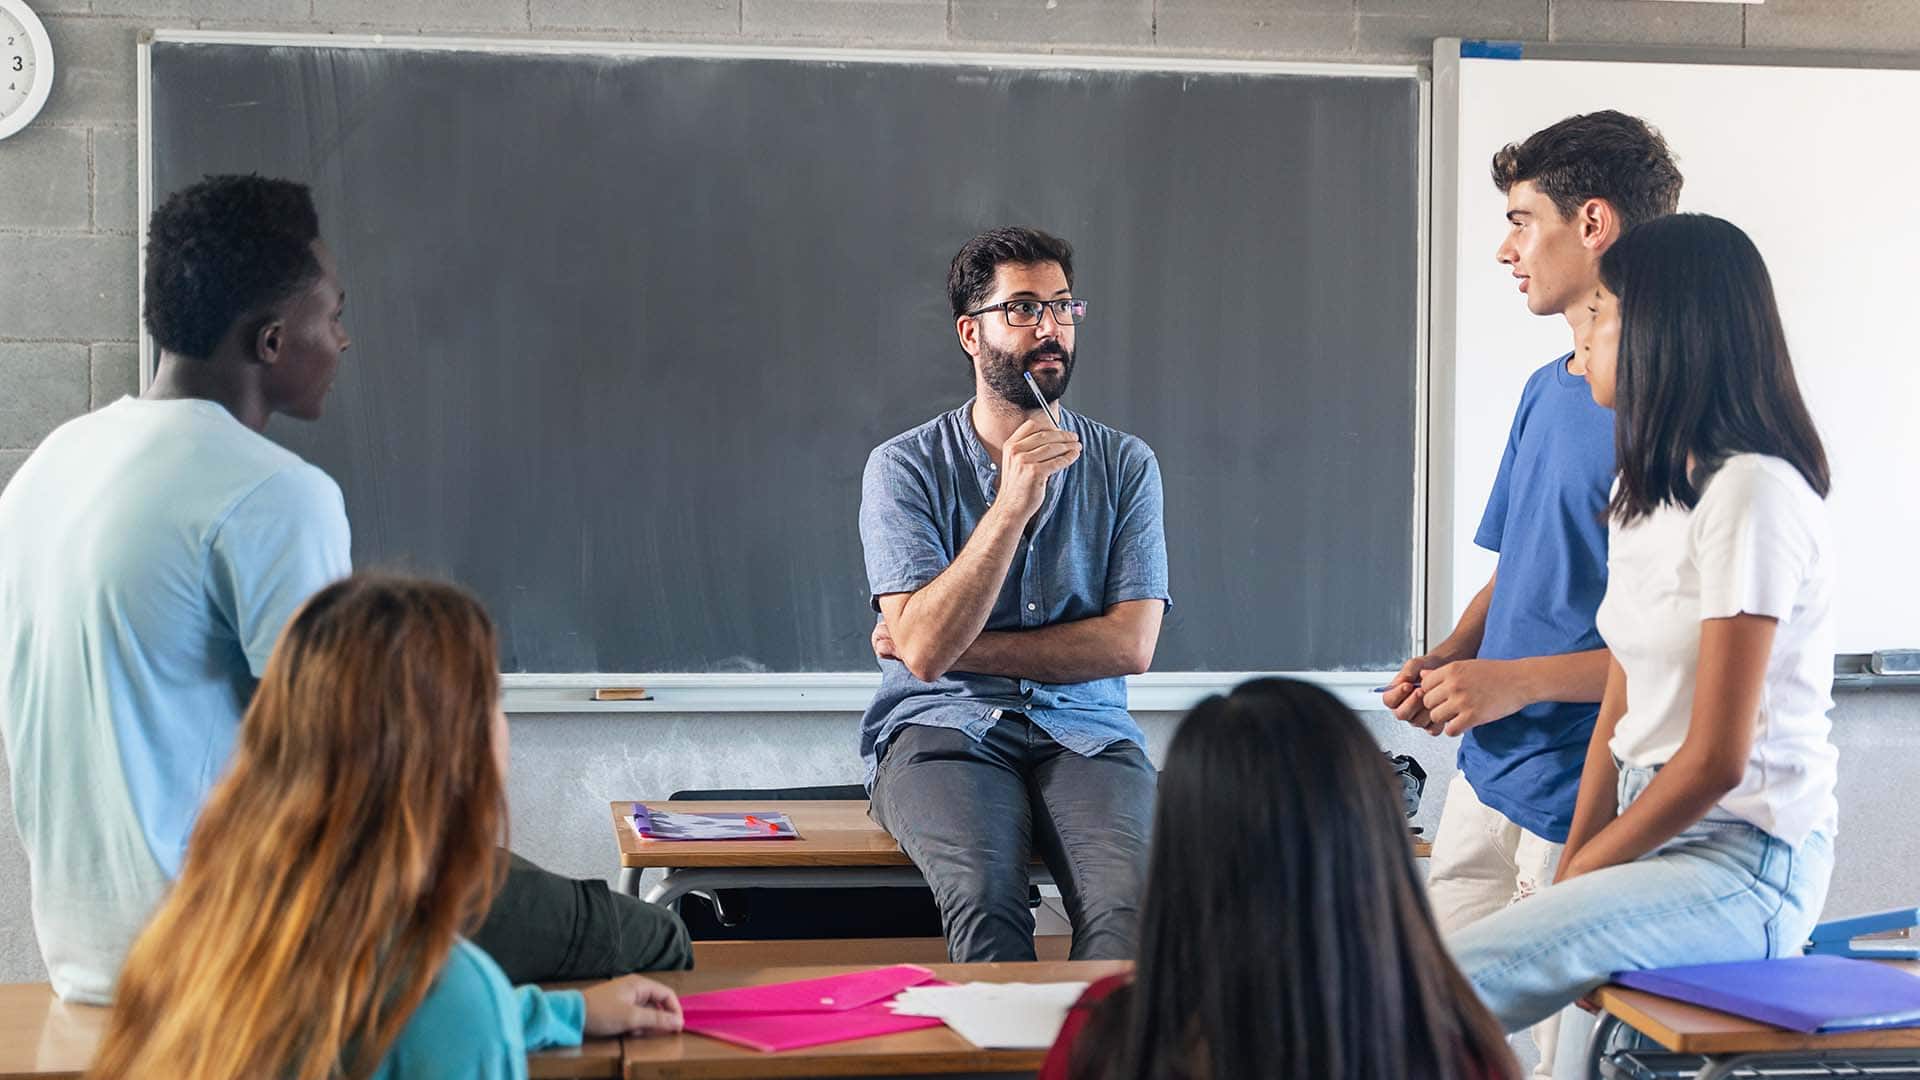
(26, 66)
(19, 67)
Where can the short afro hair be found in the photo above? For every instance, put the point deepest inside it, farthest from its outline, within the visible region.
(1599, 155)
(970, 278)
(225, 248)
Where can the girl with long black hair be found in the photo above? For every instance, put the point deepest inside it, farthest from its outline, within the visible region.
(1285, 930)
(1703, 830)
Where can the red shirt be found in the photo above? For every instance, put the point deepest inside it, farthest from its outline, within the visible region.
(1055, 1067)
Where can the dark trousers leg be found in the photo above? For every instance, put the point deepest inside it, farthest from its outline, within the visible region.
(959, 809)
(544, 927)
(1091, 821)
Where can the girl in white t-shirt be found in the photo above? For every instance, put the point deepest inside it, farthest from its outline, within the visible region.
(1704, 826)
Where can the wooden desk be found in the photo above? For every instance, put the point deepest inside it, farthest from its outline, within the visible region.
(839, 845)
(44, 1038)
(1732, 1041)
(910, 1053)
(746, 955)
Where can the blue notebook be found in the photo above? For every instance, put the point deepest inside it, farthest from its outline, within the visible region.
(1801, 993)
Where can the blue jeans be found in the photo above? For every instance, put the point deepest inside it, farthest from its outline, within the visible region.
(1722, 890)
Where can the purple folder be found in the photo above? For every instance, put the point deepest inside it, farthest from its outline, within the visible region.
(1800, 993)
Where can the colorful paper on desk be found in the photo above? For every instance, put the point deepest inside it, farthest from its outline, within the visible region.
(681, 825)
(996, 1016)
(792, 1015)
(1813, 994)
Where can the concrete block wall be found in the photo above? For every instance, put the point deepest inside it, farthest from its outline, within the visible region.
(68, 319)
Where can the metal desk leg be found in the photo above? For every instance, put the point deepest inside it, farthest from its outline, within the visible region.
(630, 880)
(1722, 1068)
(1605, 1027)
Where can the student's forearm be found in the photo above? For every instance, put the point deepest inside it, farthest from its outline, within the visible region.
(1597, 803)
(1712, 759)
(1464, 642)
(1580, 676)
(936, 624)
(1097, 648)
(1680, 794)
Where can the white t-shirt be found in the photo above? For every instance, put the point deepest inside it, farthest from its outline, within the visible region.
(1756, 543)
(150, 554)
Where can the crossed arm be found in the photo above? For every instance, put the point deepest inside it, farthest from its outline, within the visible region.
(941, 627)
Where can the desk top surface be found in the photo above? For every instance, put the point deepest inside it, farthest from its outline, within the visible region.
(1695, 1029)
(45, 1038)
(924, 1052)
(834, 832)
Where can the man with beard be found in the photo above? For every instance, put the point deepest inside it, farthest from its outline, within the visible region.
(1020, 570)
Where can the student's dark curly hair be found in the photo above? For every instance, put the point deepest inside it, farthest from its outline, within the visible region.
(1599, 155)
(227, 247)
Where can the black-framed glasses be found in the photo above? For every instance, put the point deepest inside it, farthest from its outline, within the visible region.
(1071, 311)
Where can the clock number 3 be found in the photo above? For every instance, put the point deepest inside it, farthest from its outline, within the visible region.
(19, 64)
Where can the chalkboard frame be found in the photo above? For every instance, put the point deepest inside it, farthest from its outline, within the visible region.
(775, 692)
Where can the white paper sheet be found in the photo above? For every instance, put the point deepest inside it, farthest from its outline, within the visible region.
(996, 1016)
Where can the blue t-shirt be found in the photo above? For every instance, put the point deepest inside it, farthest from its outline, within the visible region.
(1097, 540)
(1546, 519)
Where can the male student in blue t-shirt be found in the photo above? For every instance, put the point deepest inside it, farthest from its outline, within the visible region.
(1520, 678)
(150, 554)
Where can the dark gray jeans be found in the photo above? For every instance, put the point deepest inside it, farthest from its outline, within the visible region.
(971, 814)
(543, 927)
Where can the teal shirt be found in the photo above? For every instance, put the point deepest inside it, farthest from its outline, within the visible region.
(472, 1023)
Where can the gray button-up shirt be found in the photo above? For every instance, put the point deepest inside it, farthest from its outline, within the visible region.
(1097, 540)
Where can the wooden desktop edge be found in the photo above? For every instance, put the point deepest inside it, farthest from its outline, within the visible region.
(1685, 1028)
(636, 852)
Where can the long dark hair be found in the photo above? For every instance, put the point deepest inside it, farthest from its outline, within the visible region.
(1285, 930)
(1703, 372)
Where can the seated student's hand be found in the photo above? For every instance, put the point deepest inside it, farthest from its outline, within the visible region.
(631, 1005)
(1404, 697)
(883, 642)
(1467, 693)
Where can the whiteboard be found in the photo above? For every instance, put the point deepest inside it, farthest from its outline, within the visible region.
(1818, 165)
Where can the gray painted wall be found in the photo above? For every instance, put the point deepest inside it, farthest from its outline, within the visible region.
(67, 316)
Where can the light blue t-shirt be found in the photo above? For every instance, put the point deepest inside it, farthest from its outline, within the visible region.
(150, 555)
(1097, 540)
(1547, 519)
(474, 1025)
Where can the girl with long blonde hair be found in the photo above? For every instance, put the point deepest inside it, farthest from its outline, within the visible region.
(314, 929)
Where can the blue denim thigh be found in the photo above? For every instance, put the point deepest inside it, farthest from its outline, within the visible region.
(1721, 890)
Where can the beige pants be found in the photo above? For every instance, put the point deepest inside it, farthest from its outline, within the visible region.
(1481, 863)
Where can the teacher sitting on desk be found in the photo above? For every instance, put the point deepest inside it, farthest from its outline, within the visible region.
(1016, 555)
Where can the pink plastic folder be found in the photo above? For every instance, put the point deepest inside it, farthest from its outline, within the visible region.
(788, 1016)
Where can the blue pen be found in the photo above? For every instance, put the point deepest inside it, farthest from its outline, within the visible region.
(1042, 399)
